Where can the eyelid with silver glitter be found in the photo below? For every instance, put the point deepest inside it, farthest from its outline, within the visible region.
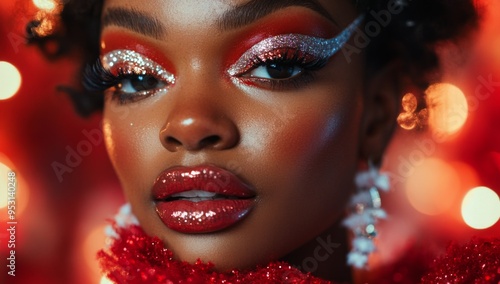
(133, 63)
(318, 48)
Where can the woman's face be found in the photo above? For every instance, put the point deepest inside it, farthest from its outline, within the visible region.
(276, 141)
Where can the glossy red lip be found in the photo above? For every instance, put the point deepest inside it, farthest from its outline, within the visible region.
(201, 199)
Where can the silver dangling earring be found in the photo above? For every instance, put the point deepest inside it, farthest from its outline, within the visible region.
(366, 210)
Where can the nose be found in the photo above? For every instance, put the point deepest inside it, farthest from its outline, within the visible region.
(198, 126)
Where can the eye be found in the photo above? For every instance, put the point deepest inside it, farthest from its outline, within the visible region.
(284, 62)
(275, 71)
(288, 61)
(139, 83)
(279, 69)
(130, 76)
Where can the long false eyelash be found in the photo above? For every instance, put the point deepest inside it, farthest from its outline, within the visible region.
(298, 58)
(96, 78)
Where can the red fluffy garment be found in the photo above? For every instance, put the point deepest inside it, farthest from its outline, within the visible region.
(135, 257)
(476, 262)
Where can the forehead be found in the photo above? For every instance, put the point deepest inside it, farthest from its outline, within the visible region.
(203, 13)
(177, 11)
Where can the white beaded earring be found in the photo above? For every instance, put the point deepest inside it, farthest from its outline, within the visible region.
(366, 210)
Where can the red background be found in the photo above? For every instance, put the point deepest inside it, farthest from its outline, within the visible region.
(60, 222)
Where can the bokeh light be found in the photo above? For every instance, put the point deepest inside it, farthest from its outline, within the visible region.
(47, 5)
(4, 170)
(433, 186)
(409, 102)
(481, 208)
(409, 118)
(47, 25)
(21, 192)
(105, 280)
(448, 109)
(10, 80)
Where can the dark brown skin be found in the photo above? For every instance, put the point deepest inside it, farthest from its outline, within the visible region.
(299, 148)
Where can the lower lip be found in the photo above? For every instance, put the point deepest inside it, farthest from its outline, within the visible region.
(203, 216)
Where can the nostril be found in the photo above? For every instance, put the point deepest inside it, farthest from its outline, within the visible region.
(212, 134)
(172, 141)
(209, 141)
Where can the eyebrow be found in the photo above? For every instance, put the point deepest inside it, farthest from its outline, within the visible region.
(255, 9)
(236, 17)
(133, 20)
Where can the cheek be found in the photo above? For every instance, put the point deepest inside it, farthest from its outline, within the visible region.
(306, 151)
(318, 151)
(131, 142)
(322, 154)
(309, 134)
(305, 162)
(317, 137)
(317, 131)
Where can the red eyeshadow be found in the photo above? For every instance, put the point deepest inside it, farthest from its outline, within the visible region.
(296, 22)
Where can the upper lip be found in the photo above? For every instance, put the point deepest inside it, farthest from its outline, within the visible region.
(207, 178)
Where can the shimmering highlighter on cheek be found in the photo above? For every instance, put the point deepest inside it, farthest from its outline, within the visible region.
(318, 48)
(131, 62)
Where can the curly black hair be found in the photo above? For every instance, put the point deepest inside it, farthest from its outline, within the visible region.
(410, 36)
